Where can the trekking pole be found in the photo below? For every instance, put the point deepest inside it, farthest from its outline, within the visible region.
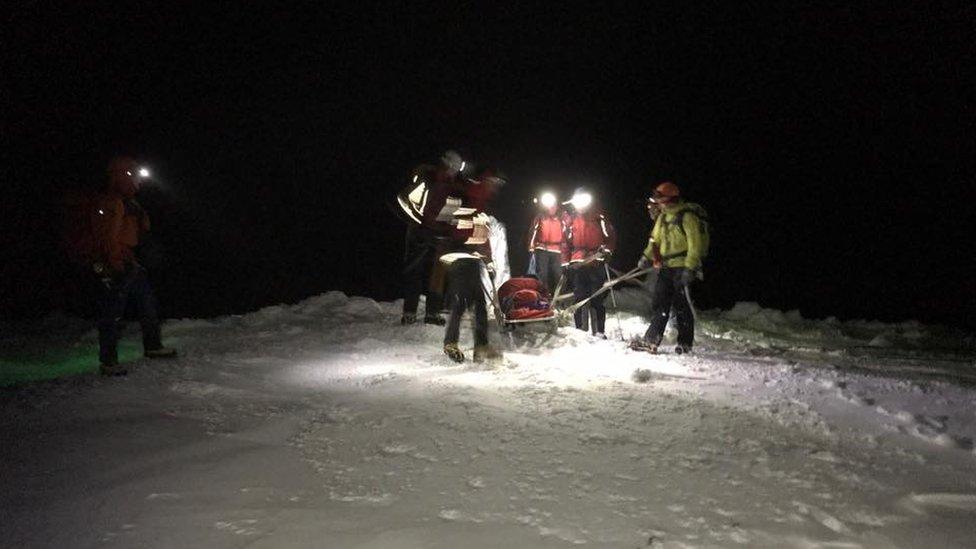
(691, 305)
(613, 299)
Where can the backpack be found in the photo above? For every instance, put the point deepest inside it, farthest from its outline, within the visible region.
(696, 210)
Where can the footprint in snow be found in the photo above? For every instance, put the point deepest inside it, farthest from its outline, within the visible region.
(923, 504)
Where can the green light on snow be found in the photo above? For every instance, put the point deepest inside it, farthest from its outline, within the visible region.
(54, 363)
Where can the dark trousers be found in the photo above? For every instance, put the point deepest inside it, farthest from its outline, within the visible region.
(420, 254)
(112, 301)
(669, 294)
(548, 267)
(587, 279)
(463, 290)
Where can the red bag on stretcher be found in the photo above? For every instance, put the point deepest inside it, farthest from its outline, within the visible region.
(524, 298)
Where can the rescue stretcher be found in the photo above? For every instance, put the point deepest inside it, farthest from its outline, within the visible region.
(554, 313)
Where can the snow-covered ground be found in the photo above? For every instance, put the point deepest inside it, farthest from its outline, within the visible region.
(327, 424)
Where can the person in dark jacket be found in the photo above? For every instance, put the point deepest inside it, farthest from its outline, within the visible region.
(592, 240)
(119, 222)
(468, 252)
(422, 203)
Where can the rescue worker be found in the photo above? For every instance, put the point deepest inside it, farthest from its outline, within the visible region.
(548, 241)
(591, 240)
(481, 191)
(422, 202)
(118, 223)
(469, 251)
(675, 249)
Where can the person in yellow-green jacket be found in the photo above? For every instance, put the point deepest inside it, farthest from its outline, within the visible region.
(675, 249)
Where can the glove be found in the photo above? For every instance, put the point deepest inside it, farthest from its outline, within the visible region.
(686, 277)
(605, 251)
(643, 263)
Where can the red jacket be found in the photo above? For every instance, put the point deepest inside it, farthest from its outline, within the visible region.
(452, 212)
(589, 232)
(445, 193)
(549, 232)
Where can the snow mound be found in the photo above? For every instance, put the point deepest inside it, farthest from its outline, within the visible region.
(748, 322)
(327, 419)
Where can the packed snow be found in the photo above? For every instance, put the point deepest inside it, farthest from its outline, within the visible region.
(327, 424)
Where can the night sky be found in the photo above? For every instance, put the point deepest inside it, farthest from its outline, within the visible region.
(833, 147)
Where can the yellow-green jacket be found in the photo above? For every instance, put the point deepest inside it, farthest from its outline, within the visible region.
(678, 247)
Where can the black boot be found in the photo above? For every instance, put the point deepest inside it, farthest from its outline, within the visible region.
(112, 369)
(161, 352)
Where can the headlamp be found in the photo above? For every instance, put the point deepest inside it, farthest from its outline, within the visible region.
(547, 200)
(581, 201)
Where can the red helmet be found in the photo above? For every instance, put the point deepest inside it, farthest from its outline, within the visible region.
(665, 192)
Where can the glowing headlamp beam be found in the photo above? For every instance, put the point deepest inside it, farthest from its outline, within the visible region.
(580, 200)
(547, 200)
(143, 172)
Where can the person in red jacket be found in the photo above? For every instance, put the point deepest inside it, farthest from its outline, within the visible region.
(548, 241)
(468, 250)
(118, 223)
(592, 240)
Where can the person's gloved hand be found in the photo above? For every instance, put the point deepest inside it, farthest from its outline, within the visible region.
(686, 277)
(643, 263)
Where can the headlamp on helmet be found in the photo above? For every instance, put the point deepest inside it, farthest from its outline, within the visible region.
(546, 200)
(453, 161)
(581, 200)
(665, 193)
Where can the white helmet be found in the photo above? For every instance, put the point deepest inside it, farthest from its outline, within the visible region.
(453, 161)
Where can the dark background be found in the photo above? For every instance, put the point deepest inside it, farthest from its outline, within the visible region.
(833, 146)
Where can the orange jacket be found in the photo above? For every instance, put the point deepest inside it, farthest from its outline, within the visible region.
(118, 223)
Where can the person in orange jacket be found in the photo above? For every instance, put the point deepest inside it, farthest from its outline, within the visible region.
(548, 242)
(118, 223)
(592, 240)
